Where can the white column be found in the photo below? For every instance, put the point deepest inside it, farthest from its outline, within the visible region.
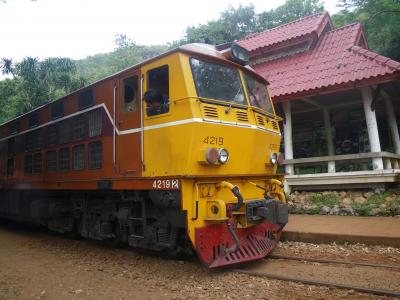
(287, 131)
(288, 141)
(395, 164)
(329, 140)
(372, 127)
(391, 118)
(387, 163)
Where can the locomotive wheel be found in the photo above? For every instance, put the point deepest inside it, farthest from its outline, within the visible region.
(75, 234)
(120, 239)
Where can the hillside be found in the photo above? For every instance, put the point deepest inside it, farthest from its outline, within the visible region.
(102, 65)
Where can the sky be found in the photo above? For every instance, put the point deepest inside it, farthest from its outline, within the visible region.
(79, 28)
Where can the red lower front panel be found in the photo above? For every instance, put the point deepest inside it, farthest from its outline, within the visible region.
(214, 244)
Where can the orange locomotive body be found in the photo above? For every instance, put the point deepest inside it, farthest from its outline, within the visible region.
(152, 169)
(81, 125)
(74, 163)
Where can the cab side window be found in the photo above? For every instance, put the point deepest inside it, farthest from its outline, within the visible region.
(157, 95)
(131, 94)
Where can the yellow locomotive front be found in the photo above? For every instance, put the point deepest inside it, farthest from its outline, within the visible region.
(209, 122)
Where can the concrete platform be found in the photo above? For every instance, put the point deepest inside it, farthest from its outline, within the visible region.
(341, 229)
(356, 179)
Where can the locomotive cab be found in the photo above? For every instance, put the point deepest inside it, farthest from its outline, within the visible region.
(196, 103)
(209, 121)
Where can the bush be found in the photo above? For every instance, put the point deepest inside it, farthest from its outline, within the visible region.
(378, 204)
(328, 199)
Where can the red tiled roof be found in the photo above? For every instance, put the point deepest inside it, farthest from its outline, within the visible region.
(311, 25)
(335, 60)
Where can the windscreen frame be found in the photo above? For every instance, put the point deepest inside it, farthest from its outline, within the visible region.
(228, 65)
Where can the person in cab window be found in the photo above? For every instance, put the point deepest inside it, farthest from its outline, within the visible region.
(131, 94)
(129, 99)
(256, 95)
(155, 103)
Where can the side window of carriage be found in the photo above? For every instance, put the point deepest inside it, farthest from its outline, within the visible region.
(10, 166)
(57, 110)
(157, 94)
(86, 99)
(130, 91)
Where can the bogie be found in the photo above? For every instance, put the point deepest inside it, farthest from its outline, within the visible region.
(141, 219)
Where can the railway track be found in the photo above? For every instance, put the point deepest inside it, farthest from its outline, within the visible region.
(318, 282)
(332, 261)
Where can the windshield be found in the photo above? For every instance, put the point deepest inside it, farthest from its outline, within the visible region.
(258, 94)
(218, 82)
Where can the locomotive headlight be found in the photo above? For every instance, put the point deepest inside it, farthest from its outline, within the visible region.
(274, 158)
(240, 54)
(215, 156)
(223, 156)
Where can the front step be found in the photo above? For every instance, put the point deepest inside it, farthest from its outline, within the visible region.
(137, 224)
(134, 236)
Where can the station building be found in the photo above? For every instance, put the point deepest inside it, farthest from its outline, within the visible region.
(340, 102)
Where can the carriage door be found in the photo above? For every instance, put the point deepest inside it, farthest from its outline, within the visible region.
(129, 158)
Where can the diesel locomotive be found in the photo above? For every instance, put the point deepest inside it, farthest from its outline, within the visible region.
(176, 153)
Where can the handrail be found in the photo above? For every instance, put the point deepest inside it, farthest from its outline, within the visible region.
(357, 156)
(141, 124)
(114, 126)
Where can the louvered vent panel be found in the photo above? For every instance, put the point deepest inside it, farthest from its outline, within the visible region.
(210, 111)
(260, 120)
(274, 125)
(242, 116)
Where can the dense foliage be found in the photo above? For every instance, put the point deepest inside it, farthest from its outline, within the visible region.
(381, 20)
(33, 82)
(126, 53)
(234, 24)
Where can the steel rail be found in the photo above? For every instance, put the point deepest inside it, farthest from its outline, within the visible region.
(332, 261)
(381, 292)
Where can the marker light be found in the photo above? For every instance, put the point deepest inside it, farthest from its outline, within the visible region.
(274, 158)
(212, 156)
(223, 156)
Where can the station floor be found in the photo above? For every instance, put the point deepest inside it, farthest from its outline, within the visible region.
(341, 229)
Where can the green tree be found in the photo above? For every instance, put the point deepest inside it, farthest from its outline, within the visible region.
(239, 22)
(42, 81)
(211, 33)
(234, 24)
(381, 20)
(121, 40)
(288, 12)
(126, 54)
(11, 99)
